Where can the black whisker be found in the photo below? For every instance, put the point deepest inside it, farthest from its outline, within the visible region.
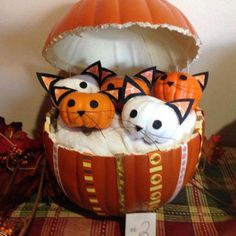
(143, 132)
(163, 137)
(97, 125)
(152, 140)
(185, 88)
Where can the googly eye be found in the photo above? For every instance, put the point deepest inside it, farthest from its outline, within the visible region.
(133, 113)
(83, 85)
(183, 77)
(164, 77)
(93, 104)
(71, 103)
(157, 124)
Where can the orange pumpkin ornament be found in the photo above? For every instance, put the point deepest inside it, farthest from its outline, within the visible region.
(180, 85)
(143, 79)
(118, 81)
(88, 110)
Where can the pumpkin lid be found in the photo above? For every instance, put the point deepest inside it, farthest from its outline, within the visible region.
(127, 34)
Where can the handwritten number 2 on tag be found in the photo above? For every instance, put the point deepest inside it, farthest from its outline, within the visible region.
(146, 225)
(140, 224)
(145, 228)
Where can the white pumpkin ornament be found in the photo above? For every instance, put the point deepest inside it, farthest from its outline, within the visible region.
(154, 120)
(88, 81)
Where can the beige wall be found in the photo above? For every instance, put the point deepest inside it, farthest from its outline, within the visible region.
(215, 22)
(24, 26)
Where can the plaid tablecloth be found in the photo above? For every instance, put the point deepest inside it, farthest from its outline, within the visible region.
(206, 206)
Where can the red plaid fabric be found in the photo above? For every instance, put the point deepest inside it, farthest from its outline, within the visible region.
(205, 207)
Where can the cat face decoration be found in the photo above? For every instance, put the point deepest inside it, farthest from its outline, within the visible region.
(180, 85)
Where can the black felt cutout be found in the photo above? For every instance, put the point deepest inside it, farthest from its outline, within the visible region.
(71, 103)
(164, 77)
(83, 85)
(54, 79)
(99, 77)
(147, 81)
(127, 81)
(58, 100)
(110, 95)
(109, 74)
(181, 117)
(87, 71)
(110, 86)
(93, 104)
(206, 74)
(157, 124)
(183, 77)
(133, 113)
(159, 74)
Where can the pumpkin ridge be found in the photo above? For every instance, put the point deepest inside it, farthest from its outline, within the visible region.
(119, 9)
(176, 13)
(188, 24)
(97, 14)
(159, 12)
(149, 12)
(88, 4)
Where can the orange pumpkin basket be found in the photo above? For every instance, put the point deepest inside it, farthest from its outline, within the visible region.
(115, 185)
(127, 36)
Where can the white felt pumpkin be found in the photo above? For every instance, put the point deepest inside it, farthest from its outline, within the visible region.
(155, 120)
(81, 83)
(88, 81)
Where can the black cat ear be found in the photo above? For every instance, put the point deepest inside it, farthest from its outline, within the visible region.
(47, 80)
(98, 72)
(95, 70)
(182, 108)
(148, 75)
(202, 78)
(114, 94)
(58, 93)
(106, 73)
(159, 74)
(130, 89)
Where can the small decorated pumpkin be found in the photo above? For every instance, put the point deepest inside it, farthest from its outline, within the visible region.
(154, 120)
(118, 81)
(143, 79)
(88, 110)
(180, 85)
(88, 81)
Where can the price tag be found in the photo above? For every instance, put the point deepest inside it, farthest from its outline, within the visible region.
(140, 224)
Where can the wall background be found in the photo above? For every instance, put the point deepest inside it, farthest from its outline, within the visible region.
(24, 27)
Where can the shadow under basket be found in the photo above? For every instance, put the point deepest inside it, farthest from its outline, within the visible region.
(116, 185)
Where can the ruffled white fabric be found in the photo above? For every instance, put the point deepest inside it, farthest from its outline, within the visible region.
(115, 139)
